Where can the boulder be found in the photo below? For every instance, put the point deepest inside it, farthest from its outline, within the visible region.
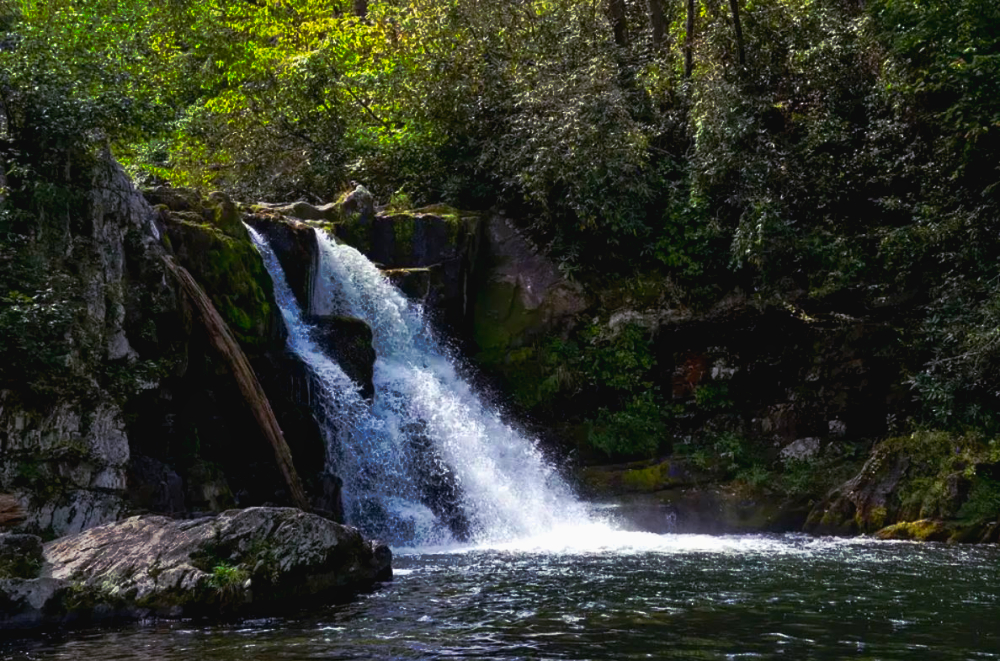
(921, 477)
(357, 205)
(174, 199)
(241, 561)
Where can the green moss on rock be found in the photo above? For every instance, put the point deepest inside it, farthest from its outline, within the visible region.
(500, 316)
(226, 264)
(926, 476)
(636, 477)
(924, 530)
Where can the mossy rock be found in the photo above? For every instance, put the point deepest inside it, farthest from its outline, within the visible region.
(501, 319)
(175, 199)
(231, 271)
(924, 530)
(408, 239)
(637, 477)
(928, 475)
(226, 215)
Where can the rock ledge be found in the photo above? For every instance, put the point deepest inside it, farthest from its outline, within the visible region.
(241, 561)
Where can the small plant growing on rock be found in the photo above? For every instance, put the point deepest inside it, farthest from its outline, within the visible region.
(400, 201)
(229, 583)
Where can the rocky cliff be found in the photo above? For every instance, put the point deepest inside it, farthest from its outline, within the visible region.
(112, 397)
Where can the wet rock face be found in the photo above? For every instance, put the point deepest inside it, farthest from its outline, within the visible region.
(241, 561)
(914, 487)
(429, 253)
(294, 244)
(226, 264)
(349, 342)
(138, 414)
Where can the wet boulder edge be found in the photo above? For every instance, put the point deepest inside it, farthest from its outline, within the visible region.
(253, 561)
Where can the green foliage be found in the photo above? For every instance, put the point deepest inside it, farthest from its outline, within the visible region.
(726, 451)
(637, 430)
(983, 503)
(800, 477)
(622, 361)
(849, 164)
(33, 332)
(400, 201)
(713, 396)
(229, 584)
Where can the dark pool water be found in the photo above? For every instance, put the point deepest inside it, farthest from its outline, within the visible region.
(603, 595)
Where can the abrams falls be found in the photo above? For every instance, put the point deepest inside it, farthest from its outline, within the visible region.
(411, 329)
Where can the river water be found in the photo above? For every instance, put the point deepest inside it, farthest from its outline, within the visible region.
(595, 594)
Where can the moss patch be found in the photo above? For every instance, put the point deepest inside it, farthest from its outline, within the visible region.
(233, 275)
(636, 477)
(924, 530)
(500, 316)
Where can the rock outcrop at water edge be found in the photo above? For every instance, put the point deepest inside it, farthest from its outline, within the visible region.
(241, 561)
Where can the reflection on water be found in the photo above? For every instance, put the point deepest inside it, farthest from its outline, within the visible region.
(597, 594)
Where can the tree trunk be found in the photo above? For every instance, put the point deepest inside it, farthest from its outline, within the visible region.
(616, 12)
(738, 28)
(361, 8)
(689, 40)
(657, 21)
(222, 340)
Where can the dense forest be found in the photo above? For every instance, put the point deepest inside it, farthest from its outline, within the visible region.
(834, 159)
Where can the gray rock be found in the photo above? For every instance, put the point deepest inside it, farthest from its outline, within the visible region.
(349, 341)
(65, 457)
(84, 452)
(306, 211)
(358, 204)
(802, 449)
(241, 561)
(523, 294)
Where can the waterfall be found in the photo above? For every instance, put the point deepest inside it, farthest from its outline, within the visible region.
(427, 460)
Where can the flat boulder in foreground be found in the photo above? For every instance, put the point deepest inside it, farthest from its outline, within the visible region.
(241, 561)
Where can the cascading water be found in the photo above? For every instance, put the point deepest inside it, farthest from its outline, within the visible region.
(465, 457)
(359, 445)
(427, 460)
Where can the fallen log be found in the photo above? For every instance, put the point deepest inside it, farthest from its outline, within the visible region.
(223, 341)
